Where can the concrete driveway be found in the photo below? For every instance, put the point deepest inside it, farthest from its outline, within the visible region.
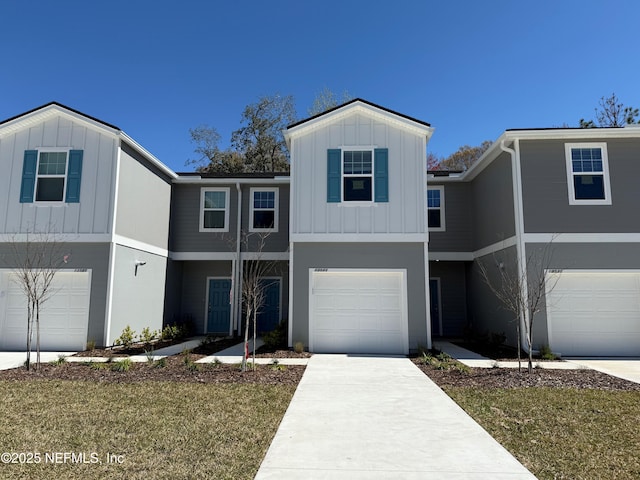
(16, 359)
(627, 368)
(366, 417)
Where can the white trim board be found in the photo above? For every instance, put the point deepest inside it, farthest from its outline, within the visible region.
(361, 237)
(581, 237)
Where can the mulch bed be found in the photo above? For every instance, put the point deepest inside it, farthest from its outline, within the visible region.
(174, 370)
(512, 378)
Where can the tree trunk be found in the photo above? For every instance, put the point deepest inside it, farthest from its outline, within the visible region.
(519, 345)
(29, 330)
(255, 322)
(37, 336)
(246, 340)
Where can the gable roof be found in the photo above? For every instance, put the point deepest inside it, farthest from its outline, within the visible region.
(357, 105)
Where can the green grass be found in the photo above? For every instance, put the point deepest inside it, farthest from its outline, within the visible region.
(162, 429)
(561, 433)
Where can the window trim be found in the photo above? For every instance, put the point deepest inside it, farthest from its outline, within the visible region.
(605, 174)
(65, 176)
(442, 227)
(276, 207)
(343, 175)
(227, 202)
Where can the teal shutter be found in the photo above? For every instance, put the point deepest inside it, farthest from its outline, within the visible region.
(28, 185)
(381, 174)
(334, 173)
(74, 176)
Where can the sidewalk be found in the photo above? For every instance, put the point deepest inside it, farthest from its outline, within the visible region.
(368, 417)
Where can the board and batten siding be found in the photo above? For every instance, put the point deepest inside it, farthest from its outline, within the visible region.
(144, 199)
(93, 213)
(405, 210)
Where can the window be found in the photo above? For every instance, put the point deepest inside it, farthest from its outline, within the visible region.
(588, 174)
(51, 176)
(264, 212)
(357, 176)
(435, 208)
(214, 210)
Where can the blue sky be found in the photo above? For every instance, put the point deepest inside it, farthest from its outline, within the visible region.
(470, 68)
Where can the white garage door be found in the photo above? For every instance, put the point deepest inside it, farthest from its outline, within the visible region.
(362, 311)
(594, 313)
(63, 320)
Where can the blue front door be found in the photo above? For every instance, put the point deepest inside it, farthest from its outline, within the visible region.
(219, 310)
(269, 315)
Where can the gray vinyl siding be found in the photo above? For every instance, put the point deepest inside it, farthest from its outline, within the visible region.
(458, 219)
(405, 211)
(409, 256)
(93, 257)
(578, 256)
(173, 292)
(194, 289)
(546, 197)
(138, 297)
(453, 296)
(185, 220)
(486, 313)
(144, 198)
(492, 203)
(93, 213)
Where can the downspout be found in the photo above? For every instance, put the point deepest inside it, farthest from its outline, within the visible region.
(238, 264)
(516, 176)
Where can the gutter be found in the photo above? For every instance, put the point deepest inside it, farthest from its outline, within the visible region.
(516, 182)
(238, 263)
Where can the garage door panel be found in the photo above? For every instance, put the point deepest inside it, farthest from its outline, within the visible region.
(63, 319)
(593, 313)
(358, 312)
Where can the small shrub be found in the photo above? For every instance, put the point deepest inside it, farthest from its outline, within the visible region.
(161, 363)
(148, 336)
(277, 338)
(126, 338)
(149, 354)
(122, 365)
(298, 347)
(97, 365)
(61, 360)
(276, 365)
(91, 345)
(217, 361)
(546, 353)
(171, 332)
(189, 363)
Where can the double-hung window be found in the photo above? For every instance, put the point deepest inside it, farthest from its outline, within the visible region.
(357, 175)
(264, 210)
(214, 210)
(588, 174)
(51, 176)
(435, 208)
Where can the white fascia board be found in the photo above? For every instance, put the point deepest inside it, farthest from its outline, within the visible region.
(196, 180)
(152, 159)
(51, 111)
(361, 237)
(58, 237)
(582, 237)
(362, 108)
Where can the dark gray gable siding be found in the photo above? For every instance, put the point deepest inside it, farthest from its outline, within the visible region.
(546, 199)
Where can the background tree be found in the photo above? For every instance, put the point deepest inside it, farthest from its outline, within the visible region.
(260, 140)
(464, 157)
(326, 100)
(37, 259)
(433, 162)
(520, 289)
(612, 113)
(257, 146)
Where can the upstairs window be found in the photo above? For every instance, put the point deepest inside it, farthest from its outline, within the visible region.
(51, 176)
(357, 175)
(435, 208)
(264, 211)
(214, 210)
(588, 174)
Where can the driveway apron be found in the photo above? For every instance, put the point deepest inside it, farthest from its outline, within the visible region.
(369, 417)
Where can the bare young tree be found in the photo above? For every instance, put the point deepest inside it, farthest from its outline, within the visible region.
(520, 288)
(254, 287)
(326, 99)
(36, 260)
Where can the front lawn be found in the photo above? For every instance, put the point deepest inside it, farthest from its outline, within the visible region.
(561, 433)
(151, 429)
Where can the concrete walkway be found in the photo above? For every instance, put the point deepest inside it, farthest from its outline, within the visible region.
(367, 417)
(625, 368)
